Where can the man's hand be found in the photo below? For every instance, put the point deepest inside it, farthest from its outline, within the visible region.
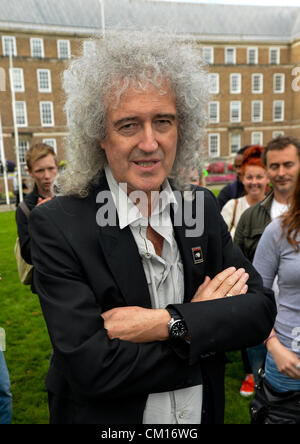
(229, 282)
(41, 201)
(137, 324)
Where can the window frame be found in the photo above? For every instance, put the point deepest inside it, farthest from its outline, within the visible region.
(15, 53)
(282, 76)
(44, 90)
(239, 103)
(25, 124)
(226, 55)
(261, 76)
(261, 136)
(37, 39)
(49, 141)
(239, 143)
(277, 133)
(282, 103)
(212, 55)
(253, 119)
(217, 135)
(217, 82)
(12, 84)
(239, 83)
(43, 124)
(277, 62)
(217, 104)
(252, 48)
(25, 148)
(59, 55)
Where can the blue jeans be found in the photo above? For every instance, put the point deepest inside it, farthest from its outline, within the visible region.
(257, 356)
(278, 380)
(5, 395)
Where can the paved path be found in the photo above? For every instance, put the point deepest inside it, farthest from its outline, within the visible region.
(5, 207)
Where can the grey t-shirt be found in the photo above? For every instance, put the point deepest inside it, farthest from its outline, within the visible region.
(274, 255)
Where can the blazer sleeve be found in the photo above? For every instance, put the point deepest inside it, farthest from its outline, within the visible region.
(93, 365)
(229, 323)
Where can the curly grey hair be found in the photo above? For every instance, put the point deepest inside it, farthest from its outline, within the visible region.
(129, 57)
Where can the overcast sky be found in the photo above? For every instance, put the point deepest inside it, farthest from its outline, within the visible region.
(247, 2)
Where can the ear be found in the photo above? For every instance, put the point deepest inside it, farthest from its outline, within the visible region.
(102, 144)
(30, 173)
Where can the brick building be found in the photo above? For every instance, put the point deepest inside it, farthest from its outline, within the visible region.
(253, 54)
(254, 94)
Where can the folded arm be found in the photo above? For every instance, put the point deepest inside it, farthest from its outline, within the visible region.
(93, 364)
(137, 324)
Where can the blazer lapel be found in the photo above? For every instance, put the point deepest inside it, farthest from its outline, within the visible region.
(123, 259)
(192, 250)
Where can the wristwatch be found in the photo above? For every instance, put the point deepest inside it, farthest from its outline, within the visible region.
(176, 326)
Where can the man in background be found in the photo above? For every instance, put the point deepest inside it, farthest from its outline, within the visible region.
(235, 189)
(42, 166)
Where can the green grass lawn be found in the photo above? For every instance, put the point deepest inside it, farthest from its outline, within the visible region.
(28, 347)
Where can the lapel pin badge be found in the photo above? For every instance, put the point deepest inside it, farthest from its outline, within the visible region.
(197, 255)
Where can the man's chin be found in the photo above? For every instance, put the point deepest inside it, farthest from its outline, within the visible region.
(146, 186)
(284, 188)
(46, 189)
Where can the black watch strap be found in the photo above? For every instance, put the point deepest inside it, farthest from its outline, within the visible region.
(173, 313)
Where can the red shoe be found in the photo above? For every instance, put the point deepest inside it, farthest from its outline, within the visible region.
(247, 388)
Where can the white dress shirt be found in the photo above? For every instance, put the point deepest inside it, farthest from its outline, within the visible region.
(165, 280)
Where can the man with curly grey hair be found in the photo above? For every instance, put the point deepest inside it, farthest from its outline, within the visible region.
(137, 302)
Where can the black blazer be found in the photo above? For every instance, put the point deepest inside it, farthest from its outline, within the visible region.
(83, 269)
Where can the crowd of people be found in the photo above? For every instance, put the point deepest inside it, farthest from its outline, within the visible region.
(140, 308)
(280, 160)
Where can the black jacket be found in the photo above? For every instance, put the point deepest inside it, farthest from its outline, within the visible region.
(251, 226)
(83, 269)
(31, 200)
(232, 190)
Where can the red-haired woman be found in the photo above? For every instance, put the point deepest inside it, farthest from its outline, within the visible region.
(255, 181)
(278, 252)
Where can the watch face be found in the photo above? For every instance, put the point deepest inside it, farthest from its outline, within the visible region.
(178, 329)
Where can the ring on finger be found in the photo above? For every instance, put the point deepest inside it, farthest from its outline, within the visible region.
(228, 295)
(298, 366)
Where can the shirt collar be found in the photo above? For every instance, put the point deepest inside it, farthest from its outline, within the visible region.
(128, 212)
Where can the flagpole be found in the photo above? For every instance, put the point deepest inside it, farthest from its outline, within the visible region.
(13, 102)
(102, 17)
(3, 160)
